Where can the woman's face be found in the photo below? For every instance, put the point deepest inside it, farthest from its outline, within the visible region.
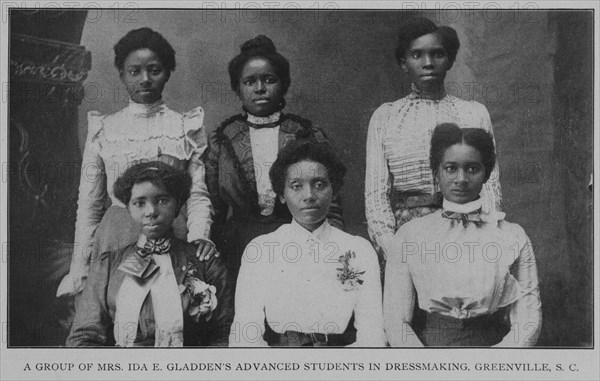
(461, 174)
(426, 62)
(308, 193)
(260, 89)
(144, 76)
(153, 208)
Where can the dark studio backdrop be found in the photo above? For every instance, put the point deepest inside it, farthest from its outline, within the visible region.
(533, 71)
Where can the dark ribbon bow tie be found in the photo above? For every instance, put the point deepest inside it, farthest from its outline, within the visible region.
(474, 216)
(158, 246)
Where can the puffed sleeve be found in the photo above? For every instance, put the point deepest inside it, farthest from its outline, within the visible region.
(248, 325)
(491, 193)
(399, 299)
(368, 314)
(90, 204)
(526, 313)
(92, 319)
(199, 209)
(378, 182)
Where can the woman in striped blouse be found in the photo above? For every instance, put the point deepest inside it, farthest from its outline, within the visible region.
(399, 185)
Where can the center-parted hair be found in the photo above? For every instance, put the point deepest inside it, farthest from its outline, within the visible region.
(446, 135)
(145, 38)
(306, 149)
(420, 26)
(259, 47)
(177, 182)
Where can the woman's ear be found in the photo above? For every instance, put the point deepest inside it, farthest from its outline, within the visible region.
(282, 199)
(403, 65)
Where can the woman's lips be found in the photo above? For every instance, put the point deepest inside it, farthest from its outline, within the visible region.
(262, 101)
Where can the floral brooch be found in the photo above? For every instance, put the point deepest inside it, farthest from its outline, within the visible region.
(347, 275)
(202, 296)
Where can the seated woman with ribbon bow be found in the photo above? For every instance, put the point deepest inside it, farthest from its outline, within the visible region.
(474, 272)
(155, 292)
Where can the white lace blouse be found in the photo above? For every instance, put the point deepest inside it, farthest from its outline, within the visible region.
(136, 133)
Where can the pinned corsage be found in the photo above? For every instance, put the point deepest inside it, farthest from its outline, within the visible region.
(349, 277)
(202, 297)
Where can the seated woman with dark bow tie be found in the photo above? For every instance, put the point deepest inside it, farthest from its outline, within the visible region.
(474, 272)
(155, 292)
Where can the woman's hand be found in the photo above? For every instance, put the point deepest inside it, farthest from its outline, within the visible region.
(206, 249)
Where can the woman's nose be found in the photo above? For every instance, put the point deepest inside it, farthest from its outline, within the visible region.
(151, 210)
(144, 77)
(260, 87)
(461, 176)
(309, 194)
(427, 61)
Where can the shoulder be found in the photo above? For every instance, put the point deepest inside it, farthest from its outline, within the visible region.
(471, 105)
(362, 246)
(513, 231)
(388, 110)
(419, 226)
(229, 128)
(301, 127)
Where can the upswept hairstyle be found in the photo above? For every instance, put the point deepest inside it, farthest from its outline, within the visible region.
(260, 46)
(446, 135)
(311, 150)
(420, 26)
(145, 38)
(177, 182)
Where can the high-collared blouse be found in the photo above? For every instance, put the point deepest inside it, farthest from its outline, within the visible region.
(398, 145)
(95, 315)
(308, 282)
(139, 133)
(463, 269)
(237, 163)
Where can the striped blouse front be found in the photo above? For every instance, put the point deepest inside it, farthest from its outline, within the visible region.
(398, 145)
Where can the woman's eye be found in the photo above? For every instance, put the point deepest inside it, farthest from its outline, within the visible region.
(415, 55)
(156, 71)
(248, 82)
(440, 54)
(473, 168)
(450, 168)
(163, 201)
(137, 204)
(295, 187)
(270, 80)
(134, 71)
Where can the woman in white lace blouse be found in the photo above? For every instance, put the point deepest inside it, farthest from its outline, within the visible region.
(399, 185)
(145, 130)
(473, 272)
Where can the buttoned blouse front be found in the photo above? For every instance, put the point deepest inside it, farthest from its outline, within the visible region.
(290, 277)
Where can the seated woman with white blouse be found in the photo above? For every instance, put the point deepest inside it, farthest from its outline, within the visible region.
(308, 283)
(474, 272)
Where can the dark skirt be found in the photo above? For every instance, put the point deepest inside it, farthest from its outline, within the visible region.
(481, 331)
(302, 339)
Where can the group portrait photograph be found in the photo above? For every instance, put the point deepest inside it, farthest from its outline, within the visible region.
(381, 181)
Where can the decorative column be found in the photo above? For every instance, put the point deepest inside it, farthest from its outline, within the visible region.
(47, 71)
